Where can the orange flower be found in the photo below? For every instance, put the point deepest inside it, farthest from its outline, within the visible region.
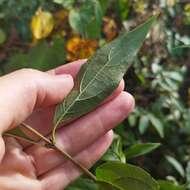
(110, 29)
(78, 48)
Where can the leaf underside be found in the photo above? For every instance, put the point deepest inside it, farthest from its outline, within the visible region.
(19, 133)
(101, 75)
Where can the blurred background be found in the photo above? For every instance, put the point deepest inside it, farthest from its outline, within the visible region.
(43, 34)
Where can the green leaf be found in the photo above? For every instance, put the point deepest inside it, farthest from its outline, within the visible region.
(188, 174)
(42, 57)
(3, 36)
(107, 186)
(157, 124)
(176, 164)
(82, 184)
(2, 1)
(66, 3)
(115, 152)
(175, 75)
(123, 8)
(141, 149)
(126, 176)
(104, 4)
(132, 119)
(87, 184)
(19, 133)
(166, 185)
(88, 19)
(101, 75)
(182, 47)
(143, 123)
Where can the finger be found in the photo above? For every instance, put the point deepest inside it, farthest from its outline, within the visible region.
(42, 119)
(61, 176)
(91, 127)
(16, 170)
(70, 68)
(24, 90)
(73, 69)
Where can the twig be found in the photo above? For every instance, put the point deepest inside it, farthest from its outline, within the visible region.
(62, 152)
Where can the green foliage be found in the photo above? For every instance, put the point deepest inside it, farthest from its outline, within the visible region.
(125, 176)
(157, 124)
(87, 20)
(176, 165)
(123, 8)
(82, 184)
(109, 64)
(41, 57)
(140, 149)
(165, 185)
(2, 36)
(65, 3)
(19, 133)
(115, 153)
(159, 77)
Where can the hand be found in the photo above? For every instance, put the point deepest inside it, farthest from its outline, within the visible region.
(30, 96)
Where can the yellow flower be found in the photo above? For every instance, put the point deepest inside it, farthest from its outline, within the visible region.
(42, 24)
(187, 14)
(140, 6)
(78, 48)
(187, 8)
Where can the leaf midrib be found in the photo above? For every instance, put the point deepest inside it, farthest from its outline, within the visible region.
(81, 92)
(77, 98)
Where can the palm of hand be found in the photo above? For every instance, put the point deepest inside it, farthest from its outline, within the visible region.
(32, 167)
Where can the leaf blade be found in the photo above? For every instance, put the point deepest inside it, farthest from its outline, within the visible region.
(176, 164)
(126, 176)
(99, 77)
(19, 133)
(165, 185)
(141, 149)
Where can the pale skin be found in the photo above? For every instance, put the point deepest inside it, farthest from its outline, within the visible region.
(30, 96)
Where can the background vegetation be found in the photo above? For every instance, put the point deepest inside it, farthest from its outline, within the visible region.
(43, 34)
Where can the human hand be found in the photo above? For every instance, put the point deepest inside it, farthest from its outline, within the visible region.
(30, 96)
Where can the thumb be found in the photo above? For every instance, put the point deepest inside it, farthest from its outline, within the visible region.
(23, 91)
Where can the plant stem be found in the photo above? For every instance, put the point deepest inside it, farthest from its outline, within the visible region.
(62, 152)
(53, 134)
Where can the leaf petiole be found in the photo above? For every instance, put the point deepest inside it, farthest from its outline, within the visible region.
(58, 149)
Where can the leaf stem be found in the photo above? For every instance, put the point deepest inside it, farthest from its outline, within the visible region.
(53, 134)
(65, 154)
